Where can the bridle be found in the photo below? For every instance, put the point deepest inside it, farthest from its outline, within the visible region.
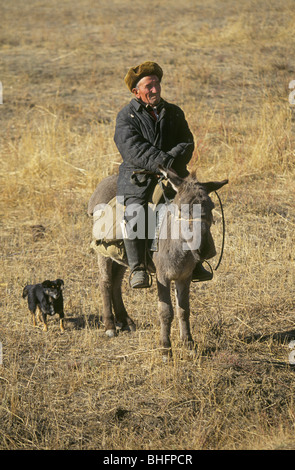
(167, 201)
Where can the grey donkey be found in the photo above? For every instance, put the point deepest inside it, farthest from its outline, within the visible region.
(175, 259)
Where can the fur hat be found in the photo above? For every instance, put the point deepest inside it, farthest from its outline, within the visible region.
(143, 70)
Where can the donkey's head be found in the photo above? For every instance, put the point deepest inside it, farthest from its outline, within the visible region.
(190, 194)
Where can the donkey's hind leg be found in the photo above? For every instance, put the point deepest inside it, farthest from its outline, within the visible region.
(105, 281)
(122, 317)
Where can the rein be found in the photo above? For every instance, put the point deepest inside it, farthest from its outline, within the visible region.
(223, 231)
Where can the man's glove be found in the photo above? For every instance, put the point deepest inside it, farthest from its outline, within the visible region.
(181, 155)
(183, 150)
(180, 167)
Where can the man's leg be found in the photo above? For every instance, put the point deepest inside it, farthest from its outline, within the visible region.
(134, 241)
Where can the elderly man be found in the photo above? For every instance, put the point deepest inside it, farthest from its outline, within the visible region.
(149, 132)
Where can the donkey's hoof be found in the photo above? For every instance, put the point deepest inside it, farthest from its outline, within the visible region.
(125, 327)
(129, 328)
(166, 355)
(111, 333)
(132, 327)
(165, 358)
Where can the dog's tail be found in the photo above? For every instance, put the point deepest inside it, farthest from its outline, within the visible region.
(25, 292)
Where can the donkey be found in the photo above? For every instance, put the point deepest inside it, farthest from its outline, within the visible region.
(171, 262)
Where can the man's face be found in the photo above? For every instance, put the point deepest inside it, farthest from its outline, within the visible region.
(148, 90)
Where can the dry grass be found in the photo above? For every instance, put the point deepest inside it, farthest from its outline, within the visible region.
(228, 65)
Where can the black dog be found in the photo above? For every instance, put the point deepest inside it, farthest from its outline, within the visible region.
(49, 300)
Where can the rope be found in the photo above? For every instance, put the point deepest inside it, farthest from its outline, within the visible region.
(223, 231)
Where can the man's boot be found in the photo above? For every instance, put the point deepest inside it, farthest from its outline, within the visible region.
(135, 251)
(201, 274)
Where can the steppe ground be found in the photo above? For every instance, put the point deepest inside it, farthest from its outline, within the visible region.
(228, 65)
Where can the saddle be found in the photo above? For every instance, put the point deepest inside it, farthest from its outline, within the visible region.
(107, 227)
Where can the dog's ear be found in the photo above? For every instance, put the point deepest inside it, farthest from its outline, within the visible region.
(46, 283)
(60, 283)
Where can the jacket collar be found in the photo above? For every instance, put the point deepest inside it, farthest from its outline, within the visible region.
(139, 105)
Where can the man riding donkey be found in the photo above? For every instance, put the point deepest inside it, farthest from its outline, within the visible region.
(150, 132)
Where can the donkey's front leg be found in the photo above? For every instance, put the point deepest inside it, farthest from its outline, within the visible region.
(183, 311)
(165, 314)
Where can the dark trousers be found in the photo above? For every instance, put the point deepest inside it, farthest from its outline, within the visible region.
(135, 231)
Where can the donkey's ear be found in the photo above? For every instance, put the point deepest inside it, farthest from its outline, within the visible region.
(213, 185)
(174, 179)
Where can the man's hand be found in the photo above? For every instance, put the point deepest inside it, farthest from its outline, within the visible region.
(181, 154)
(180, 167)
(183, 150)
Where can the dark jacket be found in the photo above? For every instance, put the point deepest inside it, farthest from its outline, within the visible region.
(145, 144)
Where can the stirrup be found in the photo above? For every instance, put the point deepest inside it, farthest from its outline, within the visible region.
(209, 277)
(145, 282)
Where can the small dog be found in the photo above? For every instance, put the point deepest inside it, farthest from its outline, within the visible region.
(49, 300)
